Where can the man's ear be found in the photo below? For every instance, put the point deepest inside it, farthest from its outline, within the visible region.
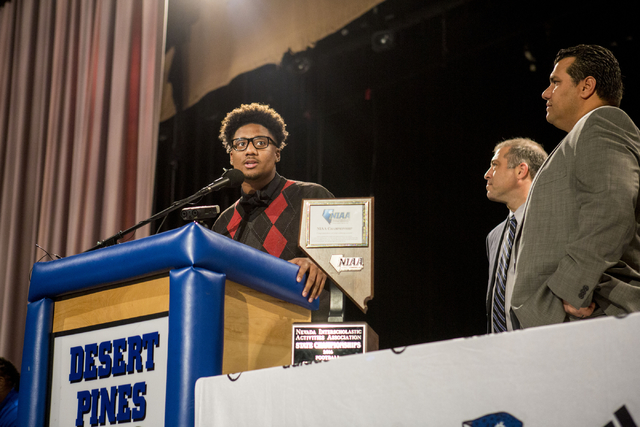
(277, 155)
(588, 87)
(522, 170)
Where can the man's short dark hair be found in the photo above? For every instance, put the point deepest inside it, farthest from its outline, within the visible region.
(523, 150)
(599, 63)
(10, 373)
(260, 114)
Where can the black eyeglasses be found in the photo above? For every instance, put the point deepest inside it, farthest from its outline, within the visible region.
(260, 142)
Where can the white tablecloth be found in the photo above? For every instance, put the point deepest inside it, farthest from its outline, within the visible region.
(576, 374)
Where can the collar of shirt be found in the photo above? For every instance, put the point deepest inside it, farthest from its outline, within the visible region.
(519, 214)
(260, 198)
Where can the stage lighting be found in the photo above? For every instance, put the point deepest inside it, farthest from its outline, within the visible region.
(296, 64)
(383, 40)
(301, 64)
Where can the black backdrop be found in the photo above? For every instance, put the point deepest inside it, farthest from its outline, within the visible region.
(412, 126)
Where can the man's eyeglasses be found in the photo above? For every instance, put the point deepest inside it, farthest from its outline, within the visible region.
(260, 142)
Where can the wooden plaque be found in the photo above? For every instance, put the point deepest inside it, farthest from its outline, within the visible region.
(337, 234)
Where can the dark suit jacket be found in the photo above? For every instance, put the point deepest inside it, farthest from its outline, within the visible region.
(494, 241)
(580, 239)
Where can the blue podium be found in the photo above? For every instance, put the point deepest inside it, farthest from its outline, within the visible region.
(209, 305)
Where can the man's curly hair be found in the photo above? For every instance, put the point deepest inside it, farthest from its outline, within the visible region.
(260, 114)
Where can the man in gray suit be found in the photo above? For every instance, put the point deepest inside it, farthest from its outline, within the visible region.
(578, 254)
(513, 167)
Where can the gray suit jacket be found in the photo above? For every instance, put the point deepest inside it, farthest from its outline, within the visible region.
(494, 241)
(580, 239)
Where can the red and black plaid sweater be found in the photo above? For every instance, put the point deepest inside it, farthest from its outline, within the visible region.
(273, 228)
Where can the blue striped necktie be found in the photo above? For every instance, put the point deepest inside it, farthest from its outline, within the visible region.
(499, 313)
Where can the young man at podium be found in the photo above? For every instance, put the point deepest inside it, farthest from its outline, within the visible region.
(267, 216)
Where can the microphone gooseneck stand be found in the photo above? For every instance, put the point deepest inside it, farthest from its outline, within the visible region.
(230, 178)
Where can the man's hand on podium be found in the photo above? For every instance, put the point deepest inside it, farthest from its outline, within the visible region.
(315, 280)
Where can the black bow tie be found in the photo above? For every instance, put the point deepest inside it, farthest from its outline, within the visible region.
(251, 201)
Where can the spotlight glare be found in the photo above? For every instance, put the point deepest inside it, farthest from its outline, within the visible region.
(383, 40)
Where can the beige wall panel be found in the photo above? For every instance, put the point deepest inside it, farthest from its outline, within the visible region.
(257, 327)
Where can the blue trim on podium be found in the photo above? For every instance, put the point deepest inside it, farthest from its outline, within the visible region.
(196, 259)
(196, 333)
(34, 372)
(191, 245)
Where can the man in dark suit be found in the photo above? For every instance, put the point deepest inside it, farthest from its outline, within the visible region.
(578, 254)
(513, 167)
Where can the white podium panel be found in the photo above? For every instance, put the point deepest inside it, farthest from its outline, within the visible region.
(577, 374)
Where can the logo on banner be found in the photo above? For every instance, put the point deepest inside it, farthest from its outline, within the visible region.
(342, 263)
(624, 418)
(499, 419)
(504, 419)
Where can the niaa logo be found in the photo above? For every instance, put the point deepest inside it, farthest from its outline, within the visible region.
(330, 215)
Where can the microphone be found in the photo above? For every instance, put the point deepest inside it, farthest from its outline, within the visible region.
(231, 178)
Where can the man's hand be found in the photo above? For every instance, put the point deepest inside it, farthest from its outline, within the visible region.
(315, 280)
(580, 313)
